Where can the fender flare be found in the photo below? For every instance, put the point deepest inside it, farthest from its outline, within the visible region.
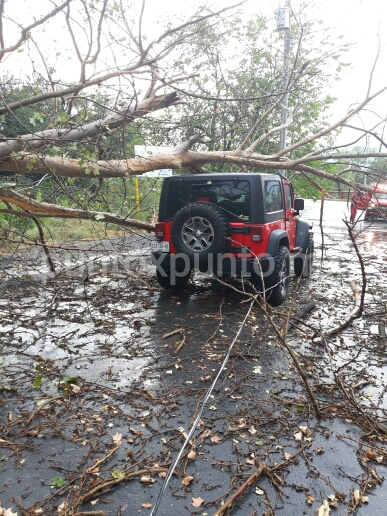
(302, 233)
(274, 241)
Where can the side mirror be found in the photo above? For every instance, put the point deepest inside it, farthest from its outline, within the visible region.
(298, 204)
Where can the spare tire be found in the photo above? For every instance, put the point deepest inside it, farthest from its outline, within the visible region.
(200, 229)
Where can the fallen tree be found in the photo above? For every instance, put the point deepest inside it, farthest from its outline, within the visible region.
(77, 143)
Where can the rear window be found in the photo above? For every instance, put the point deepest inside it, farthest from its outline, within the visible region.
(233, 197)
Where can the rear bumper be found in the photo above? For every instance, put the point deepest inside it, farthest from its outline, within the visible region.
(377, 213)
(226, 264)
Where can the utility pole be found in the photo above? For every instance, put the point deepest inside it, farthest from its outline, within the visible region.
(282, 15)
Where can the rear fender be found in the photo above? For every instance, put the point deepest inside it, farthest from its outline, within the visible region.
(277, 237)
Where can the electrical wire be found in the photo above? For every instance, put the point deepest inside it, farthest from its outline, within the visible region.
(197, 419)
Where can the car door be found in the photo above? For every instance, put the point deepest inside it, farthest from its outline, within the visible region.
(291, 219)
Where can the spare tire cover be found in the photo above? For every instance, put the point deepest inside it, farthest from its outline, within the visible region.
(200, 229)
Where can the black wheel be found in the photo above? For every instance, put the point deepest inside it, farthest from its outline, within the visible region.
(256, 280)
(199, 229)
(169, 283)
(301, 270)
(277, 284)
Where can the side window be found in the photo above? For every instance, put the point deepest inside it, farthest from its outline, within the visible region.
(273, 196)
(288, 197)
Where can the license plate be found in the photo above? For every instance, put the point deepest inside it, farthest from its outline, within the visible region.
(160, 247)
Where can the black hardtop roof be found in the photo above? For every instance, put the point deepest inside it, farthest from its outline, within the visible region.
(225, 176)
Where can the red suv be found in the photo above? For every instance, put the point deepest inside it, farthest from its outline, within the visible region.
(232, 225)
(377, 204)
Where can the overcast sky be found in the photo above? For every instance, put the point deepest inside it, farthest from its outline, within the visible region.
(358, 21)
(361, 22)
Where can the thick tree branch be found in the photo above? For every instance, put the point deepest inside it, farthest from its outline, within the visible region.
(62, 136)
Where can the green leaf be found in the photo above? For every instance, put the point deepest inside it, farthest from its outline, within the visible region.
(63, 117)
(58, 482)
(37, 382)
(99, 216)
(117, 473)
(259, 443)
(68, 380)
(30, 164)
(54, 151)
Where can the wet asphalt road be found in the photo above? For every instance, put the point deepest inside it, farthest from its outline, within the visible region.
(108, 333)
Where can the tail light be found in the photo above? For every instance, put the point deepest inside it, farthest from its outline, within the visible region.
(257, 233)
(160, 230)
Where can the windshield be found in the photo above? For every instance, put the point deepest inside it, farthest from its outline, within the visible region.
(232, 197)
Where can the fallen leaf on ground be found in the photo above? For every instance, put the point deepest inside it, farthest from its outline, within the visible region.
(197, 502)
(259, 491)
(135, 432)
(298, 436)
(117, 473)
(187, 480)
(356, 495)
(146, 479)
(191, 455)
(146, 505)
(205, 433)
(370, 453)
(215, 439)
(324, 510)
(117, 439)
(75, 388)
(309, 498)
(7, 512)
(241, 422)
(93, 502)
(365, 499)
(253, 430)
(287, 455)
(332, 500)
(305, 430)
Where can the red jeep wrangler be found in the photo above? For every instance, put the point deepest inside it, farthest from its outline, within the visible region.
(232, 225)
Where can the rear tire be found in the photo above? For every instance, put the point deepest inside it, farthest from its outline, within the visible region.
(277, 285)
(301, 270)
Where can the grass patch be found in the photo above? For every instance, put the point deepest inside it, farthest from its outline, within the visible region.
(64, 230)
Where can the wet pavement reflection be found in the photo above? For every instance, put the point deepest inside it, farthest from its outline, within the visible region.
(110, 357)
